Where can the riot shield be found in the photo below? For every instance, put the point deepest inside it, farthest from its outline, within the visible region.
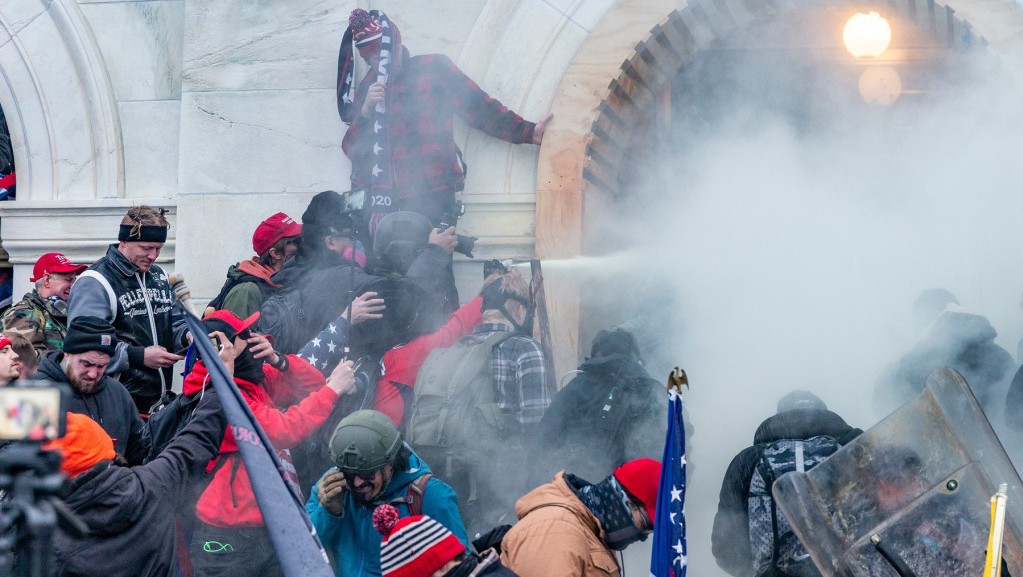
(921, 481)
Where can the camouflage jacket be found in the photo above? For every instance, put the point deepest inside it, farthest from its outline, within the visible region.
(36, 319)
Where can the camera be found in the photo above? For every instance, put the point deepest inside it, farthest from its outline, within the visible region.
(30, 478)
(353, 201)
(466, 244)
(32, 413)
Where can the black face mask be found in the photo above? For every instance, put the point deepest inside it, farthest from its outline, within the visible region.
(246, 367)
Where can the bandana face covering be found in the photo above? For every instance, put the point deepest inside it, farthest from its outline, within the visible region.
(57, 305)
(609, 503)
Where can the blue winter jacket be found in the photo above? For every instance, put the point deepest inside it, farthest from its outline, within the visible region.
(352, 538)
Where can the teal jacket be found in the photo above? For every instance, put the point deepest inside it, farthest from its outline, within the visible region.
(352, 537)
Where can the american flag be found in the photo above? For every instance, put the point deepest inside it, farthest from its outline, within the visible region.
(326, 349)
(669, 548)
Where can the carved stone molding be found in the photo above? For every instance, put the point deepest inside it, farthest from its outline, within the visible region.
(81, 230)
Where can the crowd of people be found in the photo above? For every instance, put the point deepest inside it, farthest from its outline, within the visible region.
(405, 419)
(394, 404)
(425, 435)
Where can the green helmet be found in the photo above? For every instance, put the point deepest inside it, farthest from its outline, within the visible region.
(364, 441)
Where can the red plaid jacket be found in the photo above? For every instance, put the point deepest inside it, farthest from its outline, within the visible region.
(422, 98)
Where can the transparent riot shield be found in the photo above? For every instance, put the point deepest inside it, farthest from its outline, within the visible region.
(919, 482)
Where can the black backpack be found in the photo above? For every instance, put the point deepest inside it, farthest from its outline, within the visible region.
(776, 549)
(283, 316)
(265, 290)
(167, 418)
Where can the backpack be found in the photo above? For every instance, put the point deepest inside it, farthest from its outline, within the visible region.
(284, 316)
(414, 497)
(454, 413)
(167, 418)
(265, 290)
(776, 549)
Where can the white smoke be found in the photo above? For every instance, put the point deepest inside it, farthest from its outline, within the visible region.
(789, 258)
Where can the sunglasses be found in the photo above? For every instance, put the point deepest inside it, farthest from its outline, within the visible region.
(367, 477)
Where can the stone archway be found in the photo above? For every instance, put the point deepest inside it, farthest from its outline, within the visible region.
(581, 158)
(59, 104)
(65, 129)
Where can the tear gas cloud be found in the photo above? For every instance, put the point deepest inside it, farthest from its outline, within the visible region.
(782, 257)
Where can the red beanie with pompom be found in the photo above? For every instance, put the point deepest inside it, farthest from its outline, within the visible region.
(414, 546)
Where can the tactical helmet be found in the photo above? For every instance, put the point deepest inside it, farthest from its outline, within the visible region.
(364, 442)
(401, 231)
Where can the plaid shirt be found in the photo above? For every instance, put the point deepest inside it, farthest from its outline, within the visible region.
(519, 376)
(422, 98)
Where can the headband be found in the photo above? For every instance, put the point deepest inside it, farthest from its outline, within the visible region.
(142, 233)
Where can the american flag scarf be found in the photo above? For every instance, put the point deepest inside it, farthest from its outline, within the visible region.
(382, 197)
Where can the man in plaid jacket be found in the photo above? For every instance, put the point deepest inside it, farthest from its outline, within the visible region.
(401, 140)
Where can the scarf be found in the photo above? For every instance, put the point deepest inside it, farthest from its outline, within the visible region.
(381, 187)
(609, 503)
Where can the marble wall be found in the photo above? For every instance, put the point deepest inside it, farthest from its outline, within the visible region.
(225, 110)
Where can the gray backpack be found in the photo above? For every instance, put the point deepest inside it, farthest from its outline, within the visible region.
(454, 413)
(776, 549)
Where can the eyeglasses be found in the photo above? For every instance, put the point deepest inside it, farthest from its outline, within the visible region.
(367, 477)
(646, 524)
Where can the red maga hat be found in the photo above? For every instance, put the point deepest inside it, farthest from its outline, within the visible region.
(272, 230)
(237, 324)
(54, 262)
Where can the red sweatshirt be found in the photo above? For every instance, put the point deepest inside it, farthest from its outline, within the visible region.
(228, 501)
(401, 364)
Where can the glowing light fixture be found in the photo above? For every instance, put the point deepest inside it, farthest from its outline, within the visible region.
(880, 85)
(867, 34)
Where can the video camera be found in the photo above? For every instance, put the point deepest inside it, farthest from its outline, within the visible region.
(30, 478)
(353, 203)
(466, 244)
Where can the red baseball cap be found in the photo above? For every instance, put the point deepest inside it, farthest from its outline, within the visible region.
(232, 321)
(274, 229)
(54, 262)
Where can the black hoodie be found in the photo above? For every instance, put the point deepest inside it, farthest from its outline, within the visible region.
(612, 412)
(130, 511)
(110, 405)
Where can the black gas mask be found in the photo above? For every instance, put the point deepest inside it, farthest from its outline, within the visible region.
(494, 298)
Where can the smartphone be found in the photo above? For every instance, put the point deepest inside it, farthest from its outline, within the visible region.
(33, 413)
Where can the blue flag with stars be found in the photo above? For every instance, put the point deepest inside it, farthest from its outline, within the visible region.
(326, 350)
(669, 547)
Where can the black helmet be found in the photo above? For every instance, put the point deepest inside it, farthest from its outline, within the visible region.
(401, 230)
(364, 442)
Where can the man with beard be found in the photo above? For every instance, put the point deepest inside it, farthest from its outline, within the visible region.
(127, 288)
(10, 368)
(82, 365)
(374, 466)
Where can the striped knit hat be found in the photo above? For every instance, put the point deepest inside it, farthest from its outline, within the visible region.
(414, 546)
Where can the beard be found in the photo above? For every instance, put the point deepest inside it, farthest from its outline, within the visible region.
(80, 385)
(370, 498)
